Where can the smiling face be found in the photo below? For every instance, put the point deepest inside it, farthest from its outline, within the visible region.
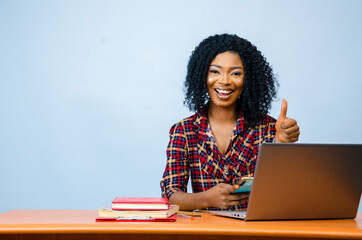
(225, 80)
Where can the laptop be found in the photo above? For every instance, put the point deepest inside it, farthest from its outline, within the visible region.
(304, 181)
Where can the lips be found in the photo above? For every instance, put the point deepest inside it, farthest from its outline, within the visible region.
(223, 93)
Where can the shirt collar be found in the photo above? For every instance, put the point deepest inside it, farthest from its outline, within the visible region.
(240, 124)
(201, 123)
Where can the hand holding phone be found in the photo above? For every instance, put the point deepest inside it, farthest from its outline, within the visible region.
(245, 185)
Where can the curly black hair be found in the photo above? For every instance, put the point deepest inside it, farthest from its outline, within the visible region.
(259, 81)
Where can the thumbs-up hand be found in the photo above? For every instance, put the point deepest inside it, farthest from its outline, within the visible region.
(287, 129)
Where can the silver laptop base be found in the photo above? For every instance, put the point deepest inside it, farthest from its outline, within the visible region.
(232, 214)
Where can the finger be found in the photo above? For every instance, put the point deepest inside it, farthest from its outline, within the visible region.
(246, 195)
(283, 112)
(292, 140)
(234, 203)
(243, 197)
(234, 187)
(291, 136)
(229, 188)
(289, 122)
(290, 130)
(238, 196)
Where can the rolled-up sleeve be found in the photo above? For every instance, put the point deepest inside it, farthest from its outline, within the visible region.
(268, 130)
(176, 174)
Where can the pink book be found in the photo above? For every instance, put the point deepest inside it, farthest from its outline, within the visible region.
(139, 203)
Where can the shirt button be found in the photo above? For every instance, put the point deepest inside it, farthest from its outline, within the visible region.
(226, 172)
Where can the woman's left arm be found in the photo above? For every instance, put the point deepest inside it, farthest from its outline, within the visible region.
(287, 129)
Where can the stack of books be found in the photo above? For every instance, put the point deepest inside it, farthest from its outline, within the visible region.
(138, 209)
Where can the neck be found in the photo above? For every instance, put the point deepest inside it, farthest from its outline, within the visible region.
(222, 115)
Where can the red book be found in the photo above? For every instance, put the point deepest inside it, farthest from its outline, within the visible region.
(139, 203)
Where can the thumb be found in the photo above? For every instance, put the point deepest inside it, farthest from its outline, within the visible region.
(283, 112)
(231, 188)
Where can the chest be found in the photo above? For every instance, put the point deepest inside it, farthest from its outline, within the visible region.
(222, 136)
(205, 159)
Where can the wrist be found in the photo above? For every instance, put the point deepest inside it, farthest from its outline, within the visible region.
(203, 199)
(277, 140)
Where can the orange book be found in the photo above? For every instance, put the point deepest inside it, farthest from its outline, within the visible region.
(135, 219)
(106, 212)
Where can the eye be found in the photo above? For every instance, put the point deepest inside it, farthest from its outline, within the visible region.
(214, 71)
(236, 74)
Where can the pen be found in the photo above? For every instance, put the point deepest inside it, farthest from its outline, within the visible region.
(186, 216)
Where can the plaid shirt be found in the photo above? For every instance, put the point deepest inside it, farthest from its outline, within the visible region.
(192, 151)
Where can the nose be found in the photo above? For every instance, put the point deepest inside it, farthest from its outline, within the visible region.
(225, 79)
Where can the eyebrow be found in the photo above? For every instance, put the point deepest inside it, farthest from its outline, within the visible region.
(232, 68)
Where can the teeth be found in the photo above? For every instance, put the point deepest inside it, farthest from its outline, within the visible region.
(223, 91)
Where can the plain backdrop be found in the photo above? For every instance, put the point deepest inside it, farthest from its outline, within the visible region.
(90, 89)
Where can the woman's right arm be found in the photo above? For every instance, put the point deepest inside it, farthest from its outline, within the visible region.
(218, 196)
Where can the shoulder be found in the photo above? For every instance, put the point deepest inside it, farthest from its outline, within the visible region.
(186, 124)
(266, 121)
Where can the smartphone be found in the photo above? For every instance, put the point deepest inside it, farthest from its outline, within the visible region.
(245, 185)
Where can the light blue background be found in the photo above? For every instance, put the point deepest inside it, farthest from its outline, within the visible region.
(90, 89)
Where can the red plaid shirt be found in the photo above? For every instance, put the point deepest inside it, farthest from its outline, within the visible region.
(192, 151)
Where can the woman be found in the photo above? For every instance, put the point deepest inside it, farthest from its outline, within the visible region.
(230, 86)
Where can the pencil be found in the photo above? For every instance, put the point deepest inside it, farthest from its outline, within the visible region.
(186, 216)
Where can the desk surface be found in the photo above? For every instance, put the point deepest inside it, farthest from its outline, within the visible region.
(83, 221)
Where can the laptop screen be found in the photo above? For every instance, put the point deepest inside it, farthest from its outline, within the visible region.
(306, 181)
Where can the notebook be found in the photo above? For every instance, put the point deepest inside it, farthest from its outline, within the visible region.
(304, 181)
